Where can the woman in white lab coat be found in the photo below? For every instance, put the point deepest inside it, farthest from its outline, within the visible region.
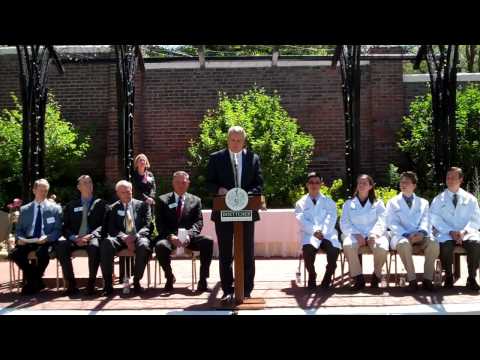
(363, 224)
(409, 223)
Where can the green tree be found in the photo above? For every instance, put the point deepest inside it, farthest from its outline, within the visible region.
(236, 50)
(285, 151)
(64, 148)
(416, 135)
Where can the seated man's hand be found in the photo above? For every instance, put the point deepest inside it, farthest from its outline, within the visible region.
(360, 240)
(130, 241)
(42, 240)
(150, 201)
(318, 234)
(371, 239)
(81, 240)
(175, 241)
(415, 237)
(456, 236)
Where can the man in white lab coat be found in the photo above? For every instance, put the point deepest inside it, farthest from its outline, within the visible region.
(317, 216)
(455, 217)
(409, 223)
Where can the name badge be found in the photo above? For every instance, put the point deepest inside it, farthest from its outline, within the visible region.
(173, 205)
(121, 212)
(78, 209)
(50, 220)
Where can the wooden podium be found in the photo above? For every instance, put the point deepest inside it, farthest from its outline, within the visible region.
(255, 202)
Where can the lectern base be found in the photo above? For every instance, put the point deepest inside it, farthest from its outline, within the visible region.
(248, 304)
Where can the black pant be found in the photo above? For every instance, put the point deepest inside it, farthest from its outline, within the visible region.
(473, 256)
(204, 244)
(32, 272)
(224, 232)
(310, 252)
(110, 245)
(64, 251)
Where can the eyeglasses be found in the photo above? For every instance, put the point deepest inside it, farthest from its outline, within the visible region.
(314, 182)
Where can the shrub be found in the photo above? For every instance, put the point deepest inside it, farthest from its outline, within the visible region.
(416, 136)
(64, 148)
(285, 151)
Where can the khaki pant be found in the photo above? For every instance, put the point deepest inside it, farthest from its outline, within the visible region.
(430, 248)
(379, 258)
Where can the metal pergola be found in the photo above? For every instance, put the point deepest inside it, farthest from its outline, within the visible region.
(34, 60)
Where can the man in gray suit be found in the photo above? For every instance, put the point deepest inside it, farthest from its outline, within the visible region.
(38, 227)
(129, 225)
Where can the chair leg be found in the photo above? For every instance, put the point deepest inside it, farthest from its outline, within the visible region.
(304, 274)
(20, 279)
(396, 270)
(154, 274)
(148, 273)
(193, 272)
(342, 268)
(57, 280)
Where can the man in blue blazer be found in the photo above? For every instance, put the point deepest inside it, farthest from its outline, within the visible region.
(39, 226)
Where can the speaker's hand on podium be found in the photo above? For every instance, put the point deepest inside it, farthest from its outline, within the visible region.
(222, 191)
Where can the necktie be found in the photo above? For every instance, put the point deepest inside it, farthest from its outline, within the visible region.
(37, 230)
(84, 225)
(409, 201)
(179, 208)
(314, 201)
(455, 199)
(128, 221)
(235, 170)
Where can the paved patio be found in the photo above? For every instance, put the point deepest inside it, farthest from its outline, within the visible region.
(275, 281)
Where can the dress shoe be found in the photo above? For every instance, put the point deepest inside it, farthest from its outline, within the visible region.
(38, 285)
(375, 281)
(107, 291)
(412, 286)
(202, 285)
(71, 291)
(227, 298)
(448, 284)
(326, 281)
(312, 282)
(28, 289)
(90, 289)
(472, 284)
(169, 283)
(428, 285)
(137, 288)
(359, 283)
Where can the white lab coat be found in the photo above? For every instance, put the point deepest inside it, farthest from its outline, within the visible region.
(364, 220)
(401, 219)
(445, 217)
(311, 218)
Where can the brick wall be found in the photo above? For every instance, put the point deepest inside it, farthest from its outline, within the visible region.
(170, 104)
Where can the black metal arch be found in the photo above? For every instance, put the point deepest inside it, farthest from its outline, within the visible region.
(442, 67)
(349, 58)
(34, 61)
(128, 57)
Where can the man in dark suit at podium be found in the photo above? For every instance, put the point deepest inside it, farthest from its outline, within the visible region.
(227, 169)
